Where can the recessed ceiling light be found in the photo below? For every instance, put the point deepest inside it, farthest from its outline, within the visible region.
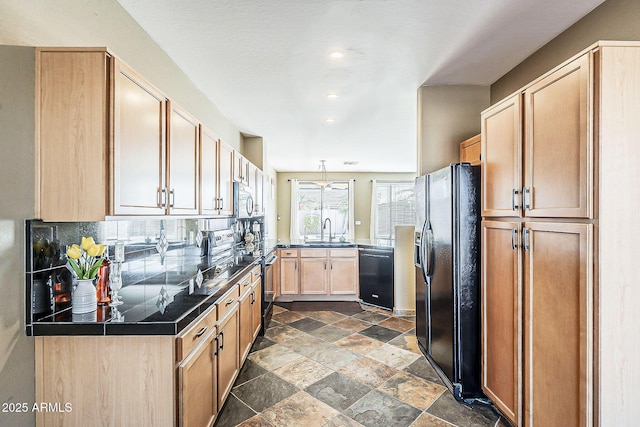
(330, 120)
(336, 54)
(332, 95)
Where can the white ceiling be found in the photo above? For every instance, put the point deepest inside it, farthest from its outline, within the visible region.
(265, 65)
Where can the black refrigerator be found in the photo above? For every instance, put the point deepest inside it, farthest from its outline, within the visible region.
(447, 260)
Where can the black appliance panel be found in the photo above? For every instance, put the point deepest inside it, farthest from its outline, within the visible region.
(376, 276)
(441, 304)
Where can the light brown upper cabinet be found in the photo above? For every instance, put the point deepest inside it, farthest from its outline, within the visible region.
(209, 202)
(73, 134)
(183, 159)
(558, 143)
(240, 168)
(216, 175)
(108, 142)
(470, 150)
(552, 176)
(258, 202)
(501, 158)
(139, 152)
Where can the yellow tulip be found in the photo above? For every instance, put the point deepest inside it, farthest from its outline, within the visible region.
(94, 250)
(87, 242)
(74, 252)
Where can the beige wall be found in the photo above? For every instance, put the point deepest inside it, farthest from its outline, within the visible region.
(16, 194)
(612, 20)
(362, 199)
(106, 23)
(447, 115)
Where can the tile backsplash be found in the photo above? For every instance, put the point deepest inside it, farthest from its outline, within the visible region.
(156, 251)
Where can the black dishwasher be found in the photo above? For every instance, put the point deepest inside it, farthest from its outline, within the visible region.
(376, 276)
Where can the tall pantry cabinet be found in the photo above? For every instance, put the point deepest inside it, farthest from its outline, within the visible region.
(560, 189)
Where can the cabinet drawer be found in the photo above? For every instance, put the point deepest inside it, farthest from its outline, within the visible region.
(288, 253)
(255, 274)
(344, 253)
(245, 284)
(225, 303)
(193, 335)
(313, 253)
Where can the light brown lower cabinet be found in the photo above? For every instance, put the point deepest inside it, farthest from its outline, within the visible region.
(537, 321)
(558, 324)
(501, 316)
(155, 380)
(289, 283)
(343, 271)
(321, 272)
(250, 312)
(228, 352)
(197, 385)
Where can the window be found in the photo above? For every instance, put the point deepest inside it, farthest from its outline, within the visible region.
(315, 204)
(395, 204)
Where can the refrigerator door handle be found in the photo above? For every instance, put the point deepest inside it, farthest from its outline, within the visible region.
(423, 259)
(428, 252)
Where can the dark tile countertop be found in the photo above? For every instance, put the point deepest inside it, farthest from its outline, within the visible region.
(141, 313)
(378, 243)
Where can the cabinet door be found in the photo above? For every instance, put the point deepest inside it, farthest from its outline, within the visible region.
(501, 314)
(228, 353)
(558, 324)
(289, 276)
(183, 144)
(73, 135)
(256, 307)
(470, 150)
(246, 324)
(225, 179)
(197, 400)
(240, 168)
(139, 146)
(258, 200)
(343, 276)
(208, 172)
(501, 158)
(313, 276)
(558, 144)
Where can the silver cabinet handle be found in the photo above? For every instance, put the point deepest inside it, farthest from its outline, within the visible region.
(172, 194)
(325, 265)
(163, 201)
(514, 200)
(526, 198)
(525, 239)
(514, 245)
(229, 302)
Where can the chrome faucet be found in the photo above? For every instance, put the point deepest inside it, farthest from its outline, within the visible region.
(324, 227)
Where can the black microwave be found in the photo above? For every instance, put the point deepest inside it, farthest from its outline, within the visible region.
(242, 201)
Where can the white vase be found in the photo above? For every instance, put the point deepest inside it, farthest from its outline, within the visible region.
(84, 297)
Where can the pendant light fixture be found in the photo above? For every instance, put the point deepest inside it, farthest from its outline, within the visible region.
(323, 182)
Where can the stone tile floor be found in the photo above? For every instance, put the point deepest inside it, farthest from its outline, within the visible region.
(332, 368)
